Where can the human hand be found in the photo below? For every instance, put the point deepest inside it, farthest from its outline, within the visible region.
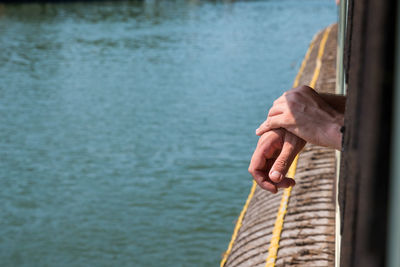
(272, 158)
(303, 112)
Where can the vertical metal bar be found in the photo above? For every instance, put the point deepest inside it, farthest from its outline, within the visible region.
(393, 257)
(340, 77)
(340, 89)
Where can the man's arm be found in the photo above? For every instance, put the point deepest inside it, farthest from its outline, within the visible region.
(338, 102)
(316, 118)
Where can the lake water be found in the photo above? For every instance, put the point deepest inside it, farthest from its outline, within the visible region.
(126, 127)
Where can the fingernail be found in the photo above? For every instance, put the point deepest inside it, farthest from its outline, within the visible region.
(257, 130)
(275, 176)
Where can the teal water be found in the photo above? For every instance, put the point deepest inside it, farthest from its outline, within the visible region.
(126, 128)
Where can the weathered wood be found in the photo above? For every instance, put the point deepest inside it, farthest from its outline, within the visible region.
(308, 235)
(364, 176)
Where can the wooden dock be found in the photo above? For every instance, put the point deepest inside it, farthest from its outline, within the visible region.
(308, 232)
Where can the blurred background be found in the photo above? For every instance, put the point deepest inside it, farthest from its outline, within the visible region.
(126, 127)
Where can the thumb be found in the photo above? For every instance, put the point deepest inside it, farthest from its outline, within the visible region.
(283, 161)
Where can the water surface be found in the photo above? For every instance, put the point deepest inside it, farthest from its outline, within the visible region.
(126, 128)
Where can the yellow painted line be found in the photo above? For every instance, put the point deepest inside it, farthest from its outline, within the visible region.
(238, 224)
(276, 233)
(253, 188)
(304, 62)
(319, 57)
(286, 194)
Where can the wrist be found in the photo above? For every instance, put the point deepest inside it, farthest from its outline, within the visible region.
(334, 132)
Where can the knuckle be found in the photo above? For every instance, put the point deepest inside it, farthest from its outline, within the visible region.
(281, 163)
(301, 107)
(286, 121)
(305, 88)
(291, 101)
(294, 96)
(267, 186)
(269, 125)
(251, 170)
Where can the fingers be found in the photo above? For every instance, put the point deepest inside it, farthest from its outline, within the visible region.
(263, 128)
(267, 149)
(282, 163)
(260, 165)
(283, 108)
(275, 151)
(286, 182)
(291, 147)
(270, 123)
(263, 181)
(276, 110)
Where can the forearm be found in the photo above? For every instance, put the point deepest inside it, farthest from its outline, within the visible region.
(337, 102)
